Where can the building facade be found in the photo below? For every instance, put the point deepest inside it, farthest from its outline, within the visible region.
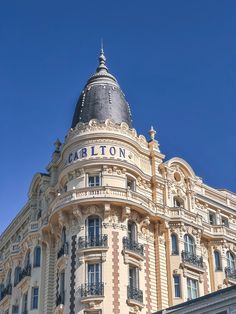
(113, 227)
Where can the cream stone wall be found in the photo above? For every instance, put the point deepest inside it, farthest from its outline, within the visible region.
(62, 199)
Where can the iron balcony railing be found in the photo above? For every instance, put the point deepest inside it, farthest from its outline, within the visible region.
(92, 289)
(135, 294)
(23, 273)
(6, 291)
(133, 246)
(64, 250)
(230, 272)
(60, 299)
(192, 258)
(93, 241)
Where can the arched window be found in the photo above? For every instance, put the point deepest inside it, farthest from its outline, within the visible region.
(132, 231)
(189, 245)
(63, 236)
(37, 256)
(230, 261)
(17, 275)
(217, 260)
(27, 259)
(8, 280)
(174, 244)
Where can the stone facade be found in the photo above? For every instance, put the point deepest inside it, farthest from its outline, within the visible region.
(114, 228)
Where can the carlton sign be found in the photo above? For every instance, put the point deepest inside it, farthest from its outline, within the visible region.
(97, 151)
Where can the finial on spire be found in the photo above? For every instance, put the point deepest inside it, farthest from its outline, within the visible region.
(102, 59)
(152, 133)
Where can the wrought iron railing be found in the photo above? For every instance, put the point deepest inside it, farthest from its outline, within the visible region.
(60, 299)
(135, 294)
(6, 291)
(192, 258)
(93, 241)
(230, 272)
(25, 272)
(64, 250)
(92, 289)
(133, 246)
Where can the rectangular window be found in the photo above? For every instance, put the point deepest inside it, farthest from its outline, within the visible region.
(93, 180)
(130, 184)
(35, 297)
(225, 221)
(133, 277)
(94, 273)
(62, 287)
(212, 219)
(177, 286)
(192, 286)
(15, 309)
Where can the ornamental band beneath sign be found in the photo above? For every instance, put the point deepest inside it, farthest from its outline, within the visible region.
(92, 151)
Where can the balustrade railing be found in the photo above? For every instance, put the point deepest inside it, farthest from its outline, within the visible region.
(133, 246)
(92, 289)
(93, 241)
(192, 258)
(135, 294)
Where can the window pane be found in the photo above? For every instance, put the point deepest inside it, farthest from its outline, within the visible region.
(35, 298)
(177, 286)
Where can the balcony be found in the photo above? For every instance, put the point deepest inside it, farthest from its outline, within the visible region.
(230, 273)
(134, 296)
(64, 250)
(7, 291)
(192, 259)
(24, 276)
(133, 246)
(99, 241)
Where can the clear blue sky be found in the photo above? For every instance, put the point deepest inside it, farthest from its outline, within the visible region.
(175, 61)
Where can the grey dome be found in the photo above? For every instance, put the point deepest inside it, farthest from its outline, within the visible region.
(102, 99)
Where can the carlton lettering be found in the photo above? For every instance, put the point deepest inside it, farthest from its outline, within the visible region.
(96, 151)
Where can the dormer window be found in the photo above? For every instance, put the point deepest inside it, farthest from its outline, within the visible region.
(212, 218)
(225, 221)
(178, 202)
(94, 180)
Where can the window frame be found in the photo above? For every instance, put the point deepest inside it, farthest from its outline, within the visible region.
(218, 264)
(190, 287)
(95, 183)
(176, 251)
(135, 279)
(177, 285)
(96, 274)
(189, 244)
(37, 256)
(34, 306)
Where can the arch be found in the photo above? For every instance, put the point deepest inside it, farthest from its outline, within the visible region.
(217, 258)
(189, 244)
(34, 183)
(37, 256)
(185, 167)
(230, 260)
(174, 244)
(17, 275)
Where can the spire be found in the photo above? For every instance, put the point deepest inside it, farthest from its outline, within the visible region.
(102, 60)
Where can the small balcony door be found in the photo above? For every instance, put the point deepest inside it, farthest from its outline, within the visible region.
(94, 274)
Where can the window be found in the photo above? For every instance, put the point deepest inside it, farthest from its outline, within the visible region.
(132, 231)
(15, 309)
(131, 184)
(93, 228)
(177, 286)
(8, 281)
(189, 245)
(25, 303)
(94, 274)
(27, 259)
(62, 287)
(192, 286)
(133, 277)
(217, 260)
(37, 256)
(35, 297)
(63, 236)
(230, 261)
(1, 290)
(225, 221)
(212, 218)
(174, 244)
(178, 202)
(93, 180)
(17, 275)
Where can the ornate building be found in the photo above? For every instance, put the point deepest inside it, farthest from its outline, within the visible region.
(112, 227)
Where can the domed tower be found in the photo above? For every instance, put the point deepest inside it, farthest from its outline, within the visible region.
(104, 248)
